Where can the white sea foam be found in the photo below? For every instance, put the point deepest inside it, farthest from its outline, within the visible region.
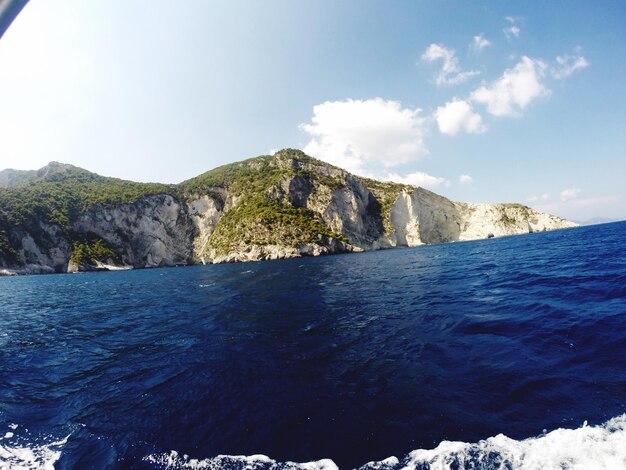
(588, 448)
(31, 456)
(174, 460)
(390, 462)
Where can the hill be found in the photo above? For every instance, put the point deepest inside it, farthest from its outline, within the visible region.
(287, 205)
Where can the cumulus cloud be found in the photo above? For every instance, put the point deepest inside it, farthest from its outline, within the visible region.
(479, 43)
(514, 90)
(567, 64)
(458, 115)
(569, 194)
(450, 73)
(419, 179)
(512, 30)
(466, 179)
(365, 136)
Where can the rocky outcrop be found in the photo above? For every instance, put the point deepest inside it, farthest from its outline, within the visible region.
(269, 252)
(500, 220)
(422, 217)
(353, 211)
(154, 231)
(284, 206)
(41, 249)
(205, 214)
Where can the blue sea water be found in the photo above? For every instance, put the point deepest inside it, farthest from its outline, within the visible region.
(416, 357)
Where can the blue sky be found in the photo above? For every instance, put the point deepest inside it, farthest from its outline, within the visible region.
(482, 101)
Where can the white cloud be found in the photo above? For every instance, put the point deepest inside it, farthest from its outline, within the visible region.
(450, 73)
(512, 30)
(514, 90)
(542, 197)
(569, 194)
(365, 136)
(466, 179)
(419, 179)
(567, 65)
(479, 43)
(458, 115)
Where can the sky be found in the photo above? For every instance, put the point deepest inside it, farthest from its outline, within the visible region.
(482, 101)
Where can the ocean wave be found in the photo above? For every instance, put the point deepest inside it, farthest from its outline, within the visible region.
(588, 447)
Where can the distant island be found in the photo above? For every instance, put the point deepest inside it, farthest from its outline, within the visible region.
(65, 219)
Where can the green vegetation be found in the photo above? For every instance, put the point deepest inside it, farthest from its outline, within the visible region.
(260, 220)
(506, 219)
(260, 217)
(7, 253)
(62, 197)
(92, 251)
(328, 181)
(514, 205)
(236, 177)
(251, 176)
(521, 209)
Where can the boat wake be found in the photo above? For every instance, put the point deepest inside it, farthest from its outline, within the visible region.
(251, 462)
(588, 447)
(17, 453)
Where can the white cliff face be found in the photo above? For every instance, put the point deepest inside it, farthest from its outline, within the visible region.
(205, 213)
(499, 220)
(422, 217)
(350, 210)
(405, 220)
(48, 255)
(540, 222)
(154, 231)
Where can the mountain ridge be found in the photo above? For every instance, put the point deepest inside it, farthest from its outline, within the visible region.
(267, 207)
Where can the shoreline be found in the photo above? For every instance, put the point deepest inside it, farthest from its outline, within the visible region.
(35, 269)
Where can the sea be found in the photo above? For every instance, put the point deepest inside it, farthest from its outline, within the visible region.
(506, 353)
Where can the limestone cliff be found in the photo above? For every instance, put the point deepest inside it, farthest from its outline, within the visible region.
(154, 231)
(422, 217)
(66, 219)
